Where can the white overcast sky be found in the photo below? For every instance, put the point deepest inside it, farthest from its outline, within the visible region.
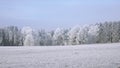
(50, 14)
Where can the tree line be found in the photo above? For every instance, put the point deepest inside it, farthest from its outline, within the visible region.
(107, 32)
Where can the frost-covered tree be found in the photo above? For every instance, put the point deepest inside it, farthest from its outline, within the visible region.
(107, 32)
(82, 35)
(73, 33)
(49, 38)
(28, 36)
(58, 37)
(65, 37)
(0, 36)
(119, 30)
(44, 38)
(61, 37)
(92, 35)
(10, 36)
(115, 31)
(101, 33)
(5, 37)
(29, 40)
(14, 35)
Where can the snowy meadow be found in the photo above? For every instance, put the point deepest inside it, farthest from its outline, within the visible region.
(79, 56)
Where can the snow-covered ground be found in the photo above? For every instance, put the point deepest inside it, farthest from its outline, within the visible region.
(83, 56)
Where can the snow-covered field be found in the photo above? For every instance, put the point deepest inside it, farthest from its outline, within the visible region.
(83, 56)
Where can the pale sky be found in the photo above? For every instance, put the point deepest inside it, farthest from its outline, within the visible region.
(50, 14)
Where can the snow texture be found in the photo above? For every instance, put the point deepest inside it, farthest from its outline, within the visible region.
(80, 56)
